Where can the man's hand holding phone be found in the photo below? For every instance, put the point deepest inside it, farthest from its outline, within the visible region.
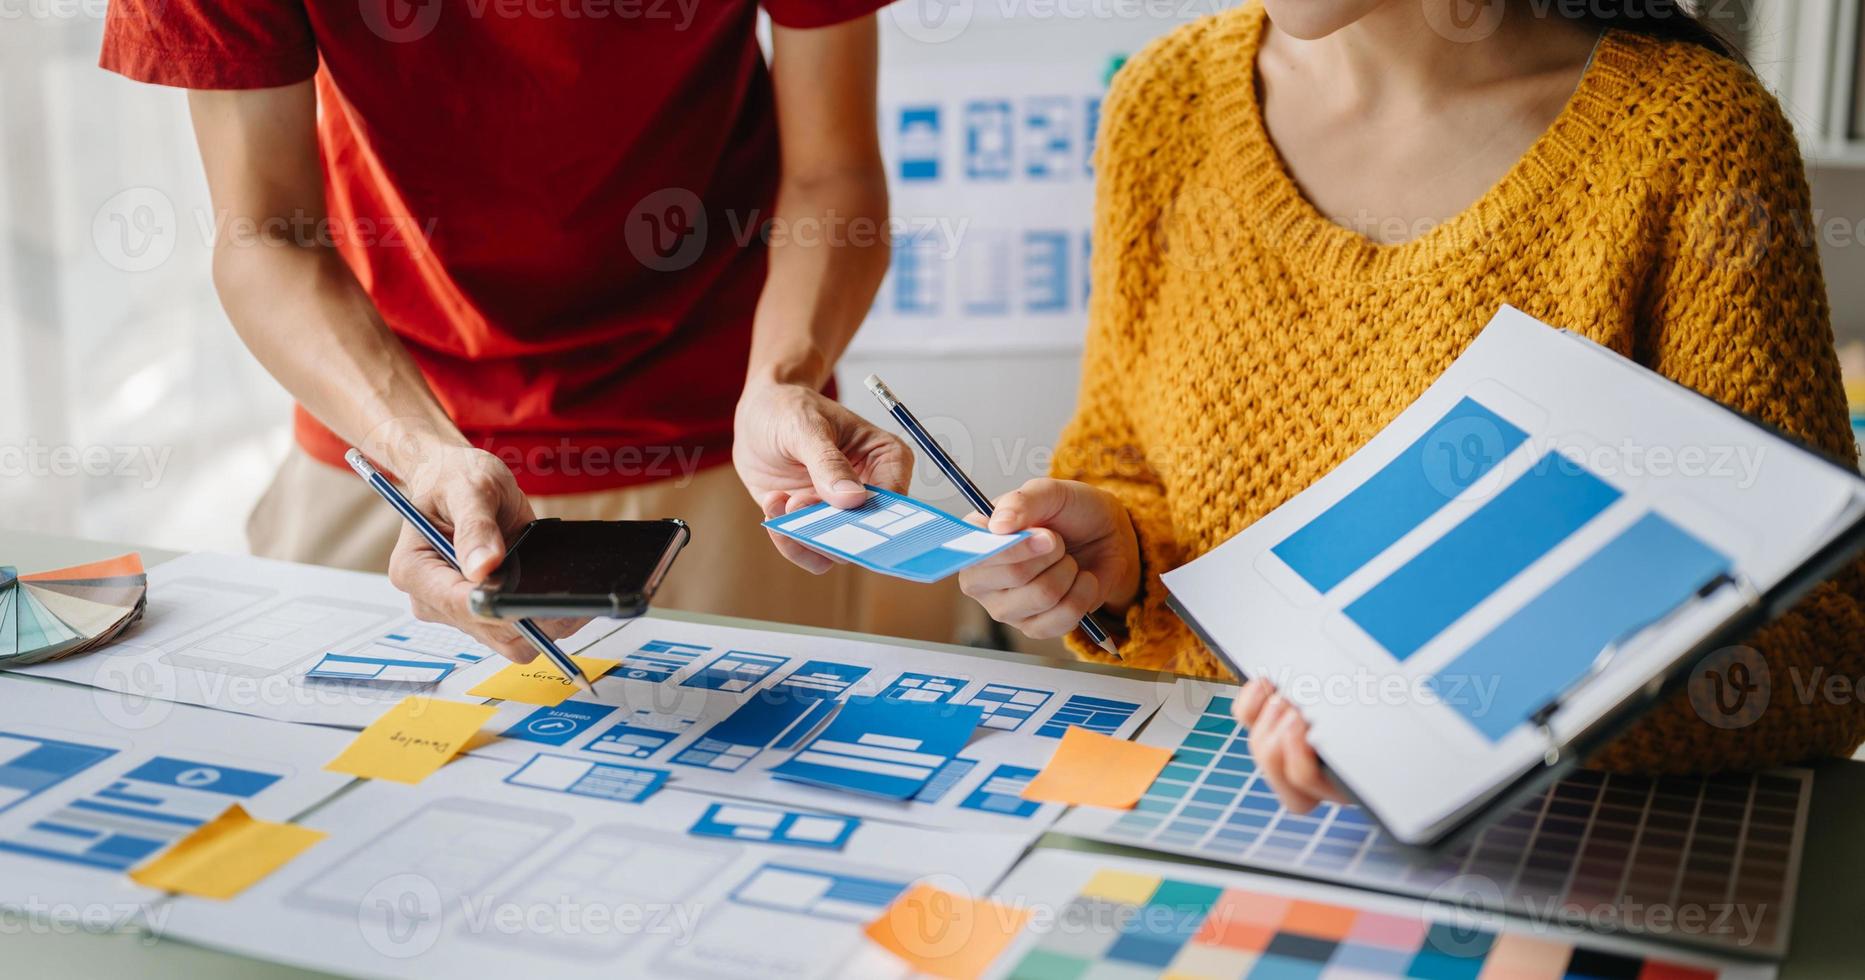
(471, 496)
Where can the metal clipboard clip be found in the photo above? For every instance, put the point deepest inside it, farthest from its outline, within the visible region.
(1543, 716)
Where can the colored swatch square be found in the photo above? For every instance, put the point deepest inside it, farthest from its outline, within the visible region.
(1319, 920)
(1121, 886)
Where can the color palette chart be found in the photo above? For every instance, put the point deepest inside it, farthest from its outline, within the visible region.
(1709, 860)
(1131, 919)
(50, 615)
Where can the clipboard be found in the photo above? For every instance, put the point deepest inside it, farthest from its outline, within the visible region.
(1837, 547)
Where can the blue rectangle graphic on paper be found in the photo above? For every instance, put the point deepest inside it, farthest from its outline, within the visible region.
(1521, 523)
(30, 765)
(948, 776)
(1007, 707)
(559, 724)
(1002, 792)
(894, 535)
(769, 825)
(882, 748)
(1459, 449)
(737, 739)
(926, 688)
(1648, 570)
(379, 670)
(820, 679)
(148, 808)
(835, 896)
(735, 671)
(1103, 715)
(658, 660)
(641, 734)
(580, 777)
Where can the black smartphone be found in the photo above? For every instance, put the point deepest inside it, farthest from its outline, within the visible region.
(582, 568)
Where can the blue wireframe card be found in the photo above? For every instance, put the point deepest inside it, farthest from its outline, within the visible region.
(883, 748)
(894, 535)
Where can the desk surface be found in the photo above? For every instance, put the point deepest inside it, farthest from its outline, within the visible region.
(1825, 940)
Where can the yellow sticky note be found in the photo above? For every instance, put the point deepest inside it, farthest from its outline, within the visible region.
(947, 935)
(412, 740)
(225, 856)
(539, 682)
(1091, 769)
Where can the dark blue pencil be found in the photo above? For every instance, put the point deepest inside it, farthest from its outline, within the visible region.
(975, 496)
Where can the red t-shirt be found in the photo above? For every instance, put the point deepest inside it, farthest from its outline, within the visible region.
(553, 202)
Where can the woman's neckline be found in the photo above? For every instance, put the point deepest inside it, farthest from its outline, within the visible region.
(1315, 244)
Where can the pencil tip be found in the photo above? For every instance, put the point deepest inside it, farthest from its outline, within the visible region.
(1109, 646)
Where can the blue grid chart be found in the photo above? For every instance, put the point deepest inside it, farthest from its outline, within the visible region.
(1007, 707)
(658, 660)
(1592, 840)
(1102, 715)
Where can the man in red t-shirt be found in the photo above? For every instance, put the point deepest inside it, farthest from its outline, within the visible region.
(554, 258)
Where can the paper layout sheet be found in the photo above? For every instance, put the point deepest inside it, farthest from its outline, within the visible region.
(239, 633)
(719, 707)
(1542, 500)
(1708, 860)
(1113, 916)
(473, 875)
(89, 790)
(894, 535)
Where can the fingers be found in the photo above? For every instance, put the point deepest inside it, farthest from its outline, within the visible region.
(1037, 594)
(1250, 701)
(501, 637)
(776, 504)
(830, 472)
(1019, 563)
(439, 594)
(1279, 741)
(1302, 766)
(1082, 596)
(1036, 502)
(472, 507)
(890, 465)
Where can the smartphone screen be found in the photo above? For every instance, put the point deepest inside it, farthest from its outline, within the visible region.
(592, 567)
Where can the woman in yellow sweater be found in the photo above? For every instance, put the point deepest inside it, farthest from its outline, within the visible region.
(1306, 209)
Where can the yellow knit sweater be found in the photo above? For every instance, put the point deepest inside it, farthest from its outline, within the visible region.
(1241, 345)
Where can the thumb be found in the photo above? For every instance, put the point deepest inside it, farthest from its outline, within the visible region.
(830, 471)
(1034, 504)
(477, 539)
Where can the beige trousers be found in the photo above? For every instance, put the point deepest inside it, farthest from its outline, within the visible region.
(323, 515)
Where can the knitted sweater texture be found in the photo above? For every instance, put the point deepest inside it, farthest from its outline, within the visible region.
(1241, 345)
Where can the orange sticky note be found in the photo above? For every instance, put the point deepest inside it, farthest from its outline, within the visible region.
(225, 855)
(412, 740)
(539, 682)
(947, 935)
(1091, 769)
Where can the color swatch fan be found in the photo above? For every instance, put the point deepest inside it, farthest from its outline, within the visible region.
(48, 615)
